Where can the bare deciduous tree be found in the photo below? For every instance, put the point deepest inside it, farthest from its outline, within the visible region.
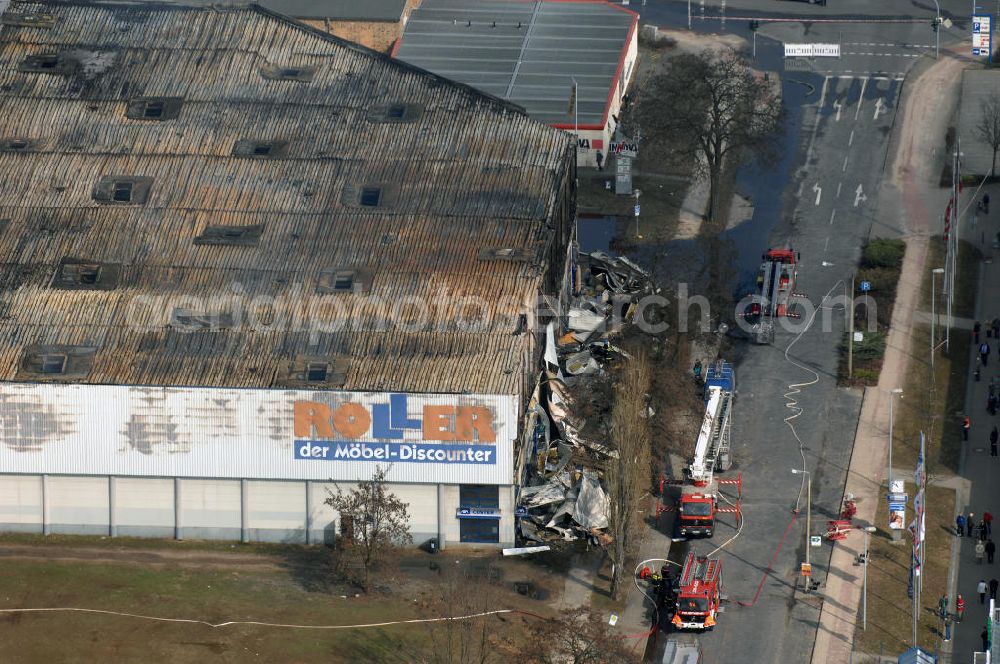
(713, 108)
(578, 636)
(989, 126)
(379, 522)
(627, 477)
(479, 640)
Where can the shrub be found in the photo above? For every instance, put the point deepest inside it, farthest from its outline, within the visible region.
(871, 348)
(883, 252)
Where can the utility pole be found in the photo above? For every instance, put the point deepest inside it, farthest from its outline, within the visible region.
(937, 29)
(936, 271)
(796, 471)
(689, 14)
(850, 333)
(864, 596)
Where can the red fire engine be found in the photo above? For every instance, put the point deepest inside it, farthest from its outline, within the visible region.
(775, 288)
(699, 593)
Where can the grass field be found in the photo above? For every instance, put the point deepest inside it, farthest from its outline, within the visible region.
(890, 622)
(218, 593)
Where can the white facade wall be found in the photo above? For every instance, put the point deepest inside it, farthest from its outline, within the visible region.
(78, 504)
(144, 507)
(270, 511)
(21, 503)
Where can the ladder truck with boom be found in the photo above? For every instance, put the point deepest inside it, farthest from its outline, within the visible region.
(774, 290)
(699, 593)
(699, 502)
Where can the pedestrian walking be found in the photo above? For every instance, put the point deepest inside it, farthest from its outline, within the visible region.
(970, 524)
(960, 525)
(980, 550)
(984, 353)
(981, 589)
(966, 425)
(994, 584)
(959, 608)
(943, 606)
(981, 531)
(988, 520)
(991, 549)
(975, 332)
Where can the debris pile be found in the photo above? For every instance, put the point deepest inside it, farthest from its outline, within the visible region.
(563, 498)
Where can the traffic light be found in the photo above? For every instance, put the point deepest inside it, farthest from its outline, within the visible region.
(934, 25)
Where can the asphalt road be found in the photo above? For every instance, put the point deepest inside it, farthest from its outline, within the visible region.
(826, 206)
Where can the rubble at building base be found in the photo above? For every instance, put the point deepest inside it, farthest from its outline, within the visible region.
(564, 499)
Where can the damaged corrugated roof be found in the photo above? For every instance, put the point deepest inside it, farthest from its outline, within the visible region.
(225, 197)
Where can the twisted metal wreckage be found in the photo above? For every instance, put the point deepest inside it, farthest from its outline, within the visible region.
(562, 498)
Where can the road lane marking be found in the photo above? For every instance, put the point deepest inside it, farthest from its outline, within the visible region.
(850, 141)
(819, 115)
(844, 169)
(833, 214)
(878, 108)
(837, 106)
(859, 196)
(819, 192)
(827, 243)
(861, 99)
(838, 189)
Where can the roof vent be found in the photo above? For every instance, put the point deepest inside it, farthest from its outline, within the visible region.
(55, 362)
(48, 63)
(123, 189)
(514, 255)
(29, 20)
(14, 144)
(300, 74)
(190, 321)
(397, 112)
(154, 108)
(344, 280)
(260, 149)
(315, 372)
(233, 236)
(78, 274)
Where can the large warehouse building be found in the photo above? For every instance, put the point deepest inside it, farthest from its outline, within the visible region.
(245, 260)
(534, 54)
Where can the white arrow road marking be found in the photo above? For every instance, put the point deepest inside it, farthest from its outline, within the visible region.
(878, 108)
(837, 106)
(859, 197)
(819, 192)
(861, 99)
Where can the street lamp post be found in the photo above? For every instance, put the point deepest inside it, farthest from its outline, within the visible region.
(689, 14)
(864, 596)
(936, 271)
(796, 471)
(896, 534)
(937, 28)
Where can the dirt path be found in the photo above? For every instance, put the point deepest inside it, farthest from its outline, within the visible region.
(145, 557)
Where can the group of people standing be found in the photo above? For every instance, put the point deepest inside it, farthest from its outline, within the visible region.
(981, 530)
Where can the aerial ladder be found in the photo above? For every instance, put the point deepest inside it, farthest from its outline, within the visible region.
(700, 499)
(775, 289)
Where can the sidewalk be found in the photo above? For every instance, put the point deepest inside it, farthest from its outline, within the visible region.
(977, 467)
(910, 201)
(866, 474)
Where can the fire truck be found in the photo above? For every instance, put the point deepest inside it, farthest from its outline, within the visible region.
(774, 290)
(699, 502)
(699, 593)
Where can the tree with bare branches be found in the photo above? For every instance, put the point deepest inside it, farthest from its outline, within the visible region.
(627, 476)
(713, 108)
(376, 520)
(989, 126)
(577, 636)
